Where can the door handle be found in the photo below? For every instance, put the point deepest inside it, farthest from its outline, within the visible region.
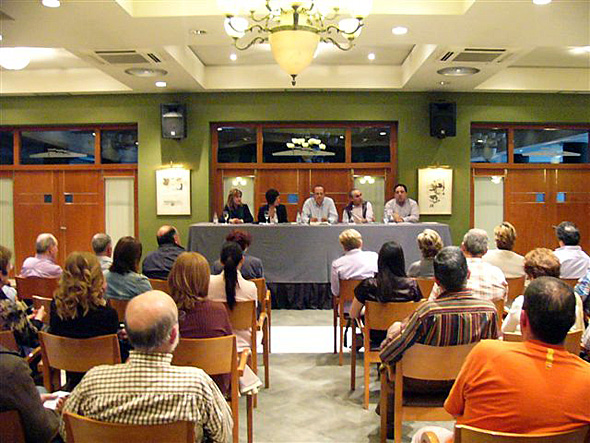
(63, 228)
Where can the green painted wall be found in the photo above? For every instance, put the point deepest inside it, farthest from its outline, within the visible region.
(416, 148)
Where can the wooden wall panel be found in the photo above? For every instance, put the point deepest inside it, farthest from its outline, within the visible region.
(576, 207)
(286, 181)
(336, 182)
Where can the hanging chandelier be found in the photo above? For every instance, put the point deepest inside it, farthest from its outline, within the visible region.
(294, 28)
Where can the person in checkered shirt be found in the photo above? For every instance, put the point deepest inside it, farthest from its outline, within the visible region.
(147, 389)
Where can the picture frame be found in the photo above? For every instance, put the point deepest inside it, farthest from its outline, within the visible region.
(173, 191)
(435, 191)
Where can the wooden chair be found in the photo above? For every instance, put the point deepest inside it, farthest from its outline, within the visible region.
(11, 427)
(26, 287)
(218, 356)
(570, 281)
(86, 430)
(263, 325)
(8, 341)
(119, 306)
(468, 434)
(572, 340)
(75, 355)
(499, 304)
(46, 303)
(515, 288)
(378, 317)
(423, 363)
(159, 285)
(243, 316)
(340, 307)
(425, 285)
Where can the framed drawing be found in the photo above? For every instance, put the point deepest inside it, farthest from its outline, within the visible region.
(435, 191)
(173, 195)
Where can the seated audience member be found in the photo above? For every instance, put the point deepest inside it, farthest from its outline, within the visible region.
(429, 243)
(574, 262)
(390, 284)
(485, 281)
(276, 212)
(582, 289)
(585, 353)
(148, 390)
(78, 309)
(6, 291)
(252, 266)
(123, 280)
(401, 208)
(43, 263)
(18, 392)
(355, 264)
(510, 263)
(230, 287)
(540, 262)
(357, 210)
(531, 387)
(102, 245)
(158, 263)
(189, 285)
(319, 208)
(237, 211)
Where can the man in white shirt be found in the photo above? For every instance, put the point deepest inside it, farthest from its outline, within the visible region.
(43, 263)
(357, 210)
(355, 264)
(574, 261)
(401, 208)
(319, 208)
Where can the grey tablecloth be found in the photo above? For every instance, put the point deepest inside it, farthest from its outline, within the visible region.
(302, 253)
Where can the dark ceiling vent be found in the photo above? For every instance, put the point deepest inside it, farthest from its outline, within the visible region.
(127, 57)
(479, 55)
(447, 56)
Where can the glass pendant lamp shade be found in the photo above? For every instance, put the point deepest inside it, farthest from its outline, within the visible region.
(293, 50)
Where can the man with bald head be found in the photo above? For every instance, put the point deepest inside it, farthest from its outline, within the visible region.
(158, 263)
(43, 263)
(147, 389)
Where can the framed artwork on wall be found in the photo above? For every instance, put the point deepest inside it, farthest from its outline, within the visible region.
(173, 195)
(435, 191)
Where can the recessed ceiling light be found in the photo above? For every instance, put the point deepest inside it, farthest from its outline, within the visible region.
(458, 71)
(399, 30)
(51, 3)
(0, 37)
(197, 32)
(541, 2)
(580, 50)
(443, 83)
(14, 59)
(161, 84)
(371, 56)
(145, 72)
(233, 57)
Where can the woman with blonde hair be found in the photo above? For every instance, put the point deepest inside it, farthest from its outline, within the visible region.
(199, 317)
(511, 263)
(237, 212)
(430, 243)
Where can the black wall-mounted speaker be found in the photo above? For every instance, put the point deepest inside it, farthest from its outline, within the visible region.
(443, 119)
(173, 120)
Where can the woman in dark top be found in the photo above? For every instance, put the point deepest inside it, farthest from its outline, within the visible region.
(273, 211)
(199, 317)
(237, 212)
(78, 309)
(390, 284)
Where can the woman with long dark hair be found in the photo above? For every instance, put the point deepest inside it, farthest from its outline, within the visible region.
(273, 211)
(231, 287)
(123, 278)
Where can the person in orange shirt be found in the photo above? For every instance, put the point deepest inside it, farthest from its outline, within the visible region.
(531, 387)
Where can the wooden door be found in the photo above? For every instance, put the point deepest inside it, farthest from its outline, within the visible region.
(571, 201)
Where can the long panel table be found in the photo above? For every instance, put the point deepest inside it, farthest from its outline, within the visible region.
(294, 255)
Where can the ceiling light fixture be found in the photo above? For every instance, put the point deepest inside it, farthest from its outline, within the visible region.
(399, 30)
(233, 57)
(580, 50)
(294, 28)
(145, 72)
(51, 3)
(14, 59)
(541, 2)
(459, 71)
(371, 56)
(161, 84)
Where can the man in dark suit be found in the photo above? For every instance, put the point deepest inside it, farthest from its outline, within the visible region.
(158, 263)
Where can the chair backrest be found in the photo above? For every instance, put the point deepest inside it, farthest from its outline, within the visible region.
(380, 316)
(243, 315)
(119, 306)
(8, 341)
(425, 285)
(46, 303)
(570, 281)
(217, 355)
(159, 285)
(515, 288)
(468, 434)
(79, 355)
(11, 427)
(499, 304)
(261, 289)
(346, 293)
(85, 430)
(572, 340)
(434, 362)
(26, 287)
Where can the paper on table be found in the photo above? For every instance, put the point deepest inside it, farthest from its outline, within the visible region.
(52, 404)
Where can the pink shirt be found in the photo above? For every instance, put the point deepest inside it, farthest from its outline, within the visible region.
(40, 266)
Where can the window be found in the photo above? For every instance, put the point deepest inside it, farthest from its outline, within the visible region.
(550, 145)
(303, 145)
(489, 145)
(64, 147)
(118, 146)
(236, 144)
(371, 144)
(6, 148)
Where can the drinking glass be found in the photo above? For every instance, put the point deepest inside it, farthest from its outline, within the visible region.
(266, 216)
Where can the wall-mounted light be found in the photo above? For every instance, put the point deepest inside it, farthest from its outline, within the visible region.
(496, 179)
(367, 179)
(239, 181)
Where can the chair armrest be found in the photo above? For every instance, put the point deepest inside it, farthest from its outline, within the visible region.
(35, 354)
(429, 437)
(243, 360)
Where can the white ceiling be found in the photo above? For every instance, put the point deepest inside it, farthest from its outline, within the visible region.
(537, 43)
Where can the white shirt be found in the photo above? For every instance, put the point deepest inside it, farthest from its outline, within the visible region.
(357, 214)
(574, 261)
(326, 210)
(409, 211)
(510, 263)
(353, 265)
